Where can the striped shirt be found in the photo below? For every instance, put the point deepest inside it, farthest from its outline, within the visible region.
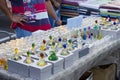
(35, 11)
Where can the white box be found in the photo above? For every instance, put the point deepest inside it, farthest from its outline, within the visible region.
(57, 65)
(114, 33)
(68, 60)
(76, 54)
(19, 67)
(40, 73)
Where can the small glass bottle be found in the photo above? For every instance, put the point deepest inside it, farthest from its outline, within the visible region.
(41, 61)
(99, 33)
(28, 59)
(64, 51)
(96, 29)
(16, 55)
(84, 34)
(70, 45)
(59, 42)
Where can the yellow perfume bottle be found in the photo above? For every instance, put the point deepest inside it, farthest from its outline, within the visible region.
(99, 33)
(28, 59)
(43, 46)
(41, 61)
(16, 56)
(33, 49)
(70, 45)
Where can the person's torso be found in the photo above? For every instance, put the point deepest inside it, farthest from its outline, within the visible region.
(34, 11)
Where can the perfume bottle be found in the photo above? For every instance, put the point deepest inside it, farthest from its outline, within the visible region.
(96, 29)
(51, 40)
(104, 23)
(92, 36)
(114, 27)
(89, 32)
(99, 33)
(28, 59)
(33, 49)
(69, 43)
(41, 61)
(65, 50)
(16, 56)
(43, 46)
(59, 42)
(53, 56)
(79, 39)
(53, 47)
(84, 34)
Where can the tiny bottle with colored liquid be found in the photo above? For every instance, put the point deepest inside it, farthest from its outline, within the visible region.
(33, 49)
(110, 22)
(69, 43)
(53, 47)
(80, 33)
(64, 51)
(89, 32)
(28, 59)
(51, 40)
(59, 42)
(102, 21)
(42, 61)
(114, 27)
(79, 39)
(99, 33)
(43, 46)
(117, 21)
(85, 34)
(16, 55)
(96, 29)
(92, 36)
(53, 56)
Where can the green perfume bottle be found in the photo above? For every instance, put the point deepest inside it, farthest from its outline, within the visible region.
(28, 59)
(69, 45)
(33, 49)
(51, 40)
(52, 56)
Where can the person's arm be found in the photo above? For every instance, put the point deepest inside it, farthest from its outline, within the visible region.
(6, 10)
(55, 3)
(52, 13)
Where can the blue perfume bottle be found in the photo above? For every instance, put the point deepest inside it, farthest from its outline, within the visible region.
(59, 42)
(84, 34)
(64, 51)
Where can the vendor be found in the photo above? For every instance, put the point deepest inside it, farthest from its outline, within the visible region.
(28, 17)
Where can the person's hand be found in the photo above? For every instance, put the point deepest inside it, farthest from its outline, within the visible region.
(18, 19)
(59, 22)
